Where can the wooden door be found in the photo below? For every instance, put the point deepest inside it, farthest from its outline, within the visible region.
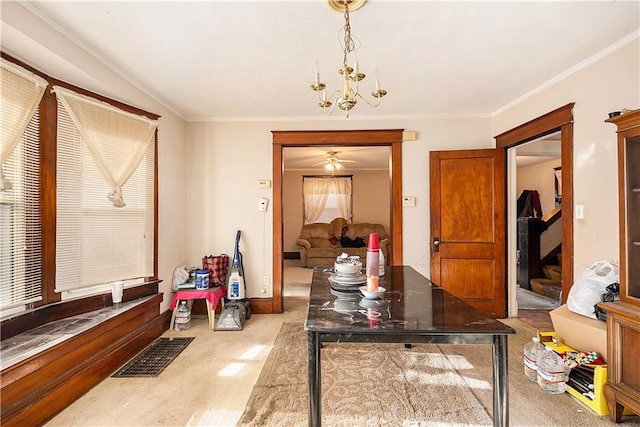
(468, 226)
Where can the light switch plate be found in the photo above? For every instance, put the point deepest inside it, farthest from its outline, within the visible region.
(262, 204)
(264, 183)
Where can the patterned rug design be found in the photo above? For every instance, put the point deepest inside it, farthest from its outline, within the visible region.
(362, 384)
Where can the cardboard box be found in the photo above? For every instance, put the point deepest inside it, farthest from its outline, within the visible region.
(580, 332)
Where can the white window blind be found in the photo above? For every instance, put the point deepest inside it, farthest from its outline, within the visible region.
(97, 240)
(20, 221)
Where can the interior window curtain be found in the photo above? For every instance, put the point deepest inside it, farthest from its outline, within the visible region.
(96, 242)
(342, 188)
(116, 139)
(315, 192)
(20, 95)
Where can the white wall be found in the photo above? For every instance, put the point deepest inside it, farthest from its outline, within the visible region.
(608, 84)
(27, 38)
(227, 159)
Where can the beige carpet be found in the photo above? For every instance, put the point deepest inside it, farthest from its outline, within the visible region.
(388, 385)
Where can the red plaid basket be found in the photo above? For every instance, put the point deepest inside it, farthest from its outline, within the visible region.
(218, 267)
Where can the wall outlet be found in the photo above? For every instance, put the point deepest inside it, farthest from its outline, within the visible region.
(265, 280)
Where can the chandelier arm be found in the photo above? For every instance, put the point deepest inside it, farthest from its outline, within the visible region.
(372, 105)
(331, 98)
(328, 113)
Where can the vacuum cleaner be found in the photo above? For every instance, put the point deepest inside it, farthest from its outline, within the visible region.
(236, 308)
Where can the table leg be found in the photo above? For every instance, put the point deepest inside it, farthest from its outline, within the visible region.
(210, 314)
(313, 350)
(500, 382)
(173, 315)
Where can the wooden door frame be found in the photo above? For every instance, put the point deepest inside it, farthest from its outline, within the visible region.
(283, 139)
(561, 120)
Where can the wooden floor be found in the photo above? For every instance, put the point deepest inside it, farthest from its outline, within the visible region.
(539, 319)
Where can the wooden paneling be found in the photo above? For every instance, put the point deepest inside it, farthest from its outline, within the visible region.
(623, 317)
(52, 312)
(631, 369)
(467, 186)
(39, 387)
(261, 305)
(461, 276)
(468, 219)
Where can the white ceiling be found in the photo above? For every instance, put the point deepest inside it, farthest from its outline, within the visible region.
(366, 158)
(255, 59)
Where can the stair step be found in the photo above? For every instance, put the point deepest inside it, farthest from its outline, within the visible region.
(548, 287)
(553, 272)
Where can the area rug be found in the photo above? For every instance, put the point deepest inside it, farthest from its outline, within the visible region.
(151, 361)
(362, 384)
(389, 385)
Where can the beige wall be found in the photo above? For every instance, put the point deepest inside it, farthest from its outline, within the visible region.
(539, 177)
(26, 37)
(608, 84)
(223, 195)
(371, 201)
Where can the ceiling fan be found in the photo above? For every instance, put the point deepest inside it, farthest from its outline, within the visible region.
(332, 162)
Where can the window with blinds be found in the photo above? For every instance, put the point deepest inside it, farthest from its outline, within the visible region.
(20, 223)
(96, 242)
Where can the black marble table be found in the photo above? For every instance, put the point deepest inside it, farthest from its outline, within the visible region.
(412, 310)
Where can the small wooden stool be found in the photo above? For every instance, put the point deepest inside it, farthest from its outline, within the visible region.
(211, 296)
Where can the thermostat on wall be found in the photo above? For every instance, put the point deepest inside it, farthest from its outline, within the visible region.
(409, 201)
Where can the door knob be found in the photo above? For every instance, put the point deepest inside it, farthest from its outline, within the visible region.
(436, 244)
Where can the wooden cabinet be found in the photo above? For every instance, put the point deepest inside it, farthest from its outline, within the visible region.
(623, 318)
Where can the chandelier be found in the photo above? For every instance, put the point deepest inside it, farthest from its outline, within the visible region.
(346, 98)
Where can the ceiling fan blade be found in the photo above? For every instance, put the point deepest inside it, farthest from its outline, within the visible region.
(346, 161)
(321, 163)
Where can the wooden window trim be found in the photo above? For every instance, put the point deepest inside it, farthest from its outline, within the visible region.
(50, 307)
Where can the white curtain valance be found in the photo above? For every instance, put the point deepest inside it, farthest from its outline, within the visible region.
(116, 139)
(20, 95)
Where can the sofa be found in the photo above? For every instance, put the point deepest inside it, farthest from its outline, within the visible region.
(321, 243)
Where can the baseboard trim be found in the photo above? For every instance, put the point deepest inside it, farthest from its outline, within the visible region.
(261, 305)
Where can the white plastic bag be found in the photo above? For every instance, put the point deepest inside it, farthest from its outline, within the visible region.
(180, 275)
(587, 290)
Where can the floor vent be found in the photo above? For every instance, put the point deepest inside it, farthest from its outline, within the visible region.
(153, 359)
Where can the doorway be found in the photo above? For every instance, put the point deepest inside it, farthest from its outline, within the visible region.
(559, 120)
(283, 139)
(533, 169)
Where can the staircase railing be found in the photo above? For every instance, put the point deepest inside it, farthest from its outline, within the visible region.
(530, 261)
